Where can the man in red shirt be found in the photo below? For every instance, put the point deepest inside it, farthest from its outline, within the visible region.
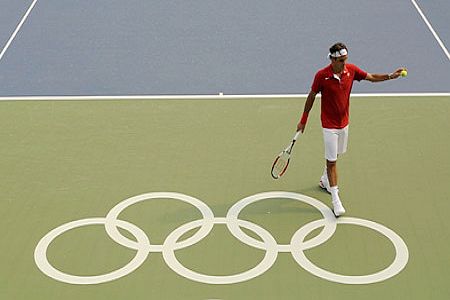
(335, 83)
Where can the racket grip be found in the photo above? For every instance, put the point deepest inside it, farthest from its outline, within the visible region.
(297, 135)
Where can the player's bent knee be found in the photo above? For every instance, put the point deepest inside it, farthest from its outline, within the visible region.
(331, 162)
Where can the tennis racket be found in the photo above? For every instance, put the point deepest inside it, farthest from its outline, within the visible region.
(281, 163)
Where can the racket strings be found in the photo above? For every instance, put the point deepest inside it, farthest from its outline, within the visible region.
(282, 161)
(280, 164)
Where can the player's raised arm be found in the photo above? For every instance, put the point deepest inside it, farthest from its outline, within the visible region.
(383, 77)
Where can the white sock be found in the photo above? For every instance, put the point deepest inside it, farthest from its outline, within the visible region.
(325, 175)
(334, 190)
(324, 179)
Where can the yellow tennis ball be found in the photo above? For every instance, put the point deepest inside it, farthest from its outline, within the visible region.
(404, 73)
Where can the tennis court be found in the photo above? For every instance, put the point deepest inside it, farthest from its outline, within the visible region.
(171, 197)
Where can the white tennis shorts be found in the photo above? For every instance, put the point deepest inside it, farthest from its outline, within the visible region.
(335, 141)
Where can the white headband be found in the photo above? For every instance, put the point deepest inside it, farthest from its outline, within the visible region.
(337, 54)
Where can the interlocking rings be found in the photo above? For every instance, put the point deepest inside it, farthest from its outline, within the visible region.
(40, 254)
(111, 219)
(296, 247)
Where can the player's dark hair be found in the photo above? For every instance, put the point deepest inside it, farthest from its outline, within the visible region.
(337, 47)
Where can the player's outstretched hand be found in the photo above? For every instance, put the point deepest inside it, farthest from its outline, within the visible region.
(397, 73)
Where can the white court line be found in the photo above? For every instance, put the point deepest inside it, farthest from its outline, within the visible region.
(17, 29)
(431, 29)
(204, 97)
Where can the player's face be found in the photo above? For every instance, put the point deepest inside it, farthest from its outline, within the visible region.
(339, 62)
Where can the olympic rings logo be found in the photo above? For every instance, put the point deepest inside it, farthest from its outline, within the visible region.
(296, 247)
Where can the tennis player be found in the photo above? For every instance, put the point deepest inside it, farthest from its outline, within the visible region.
(335, 83)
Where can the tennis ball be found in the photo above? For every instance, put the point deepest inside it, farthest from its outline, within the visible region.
(404, 73)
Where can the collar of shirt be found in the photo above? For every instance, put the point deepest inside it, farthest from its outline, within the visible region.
(331, 75)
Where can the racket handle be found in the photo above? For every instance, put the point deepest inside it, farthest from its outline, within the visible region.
(296, 135)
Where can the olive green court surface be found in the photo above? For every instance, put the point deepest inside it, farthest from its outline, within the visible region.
(173, 199)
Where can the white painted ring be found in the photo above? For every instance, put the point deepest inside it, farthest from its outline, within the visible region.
(400, 261)
(267, 262)
(113, 214)
(40, 253)
(297, 245)
(235, 210)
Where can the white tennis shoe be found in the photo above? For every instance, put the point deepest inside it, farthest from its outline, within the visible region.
(338, 209)
(323, 183)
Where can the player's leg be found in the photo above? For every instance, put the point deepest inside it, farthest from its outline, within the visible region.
(332, 173)
(335, 141)
(323, 182)
(341, 147)
(331, 143)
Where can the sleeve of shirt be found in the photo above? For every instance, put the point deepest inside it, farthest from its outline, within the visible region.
(317, 83)
(359, 74)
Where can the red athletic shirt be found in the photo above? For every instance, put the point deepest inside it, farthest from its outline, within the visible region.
(335, 101)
